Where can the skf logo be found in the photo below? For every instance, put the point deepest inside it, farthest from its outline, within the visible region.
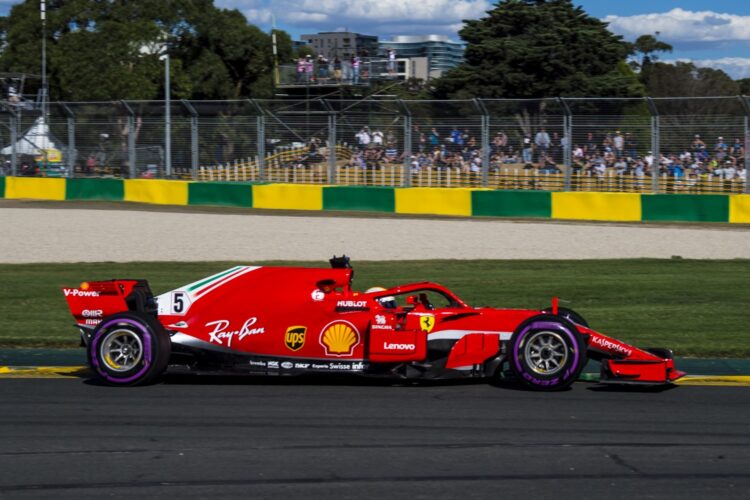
(339, 338)
(427, 322)
(294, 338)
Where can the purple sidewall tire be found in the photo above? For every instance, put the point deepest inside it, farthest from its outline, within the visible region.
(147, 360)
(575, 348)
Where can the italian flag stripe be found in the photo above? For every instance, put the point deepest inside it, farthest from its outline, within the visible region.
(211, 279)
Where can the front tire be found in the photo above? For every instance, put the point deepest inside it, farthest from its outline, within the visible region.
(129, 349)
(547, 352)
(568, 314)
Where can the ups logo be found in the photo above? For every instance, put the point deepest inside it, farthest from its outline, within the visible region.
(294, 338)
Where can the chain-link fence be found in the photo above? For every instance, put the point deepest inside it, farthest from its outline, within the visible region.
(666, 145)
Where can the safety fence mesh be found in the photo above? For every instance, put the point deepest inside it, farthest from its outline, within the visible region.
(662, 145)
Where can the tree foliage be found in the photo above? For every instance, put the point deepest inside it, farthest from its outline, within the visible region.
(684, 79)
(537, 48)
(105, 50)
(744, 84)
(648, 46)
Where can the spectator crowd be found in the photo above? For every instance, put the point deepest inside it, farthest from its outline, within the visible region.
(609, 154)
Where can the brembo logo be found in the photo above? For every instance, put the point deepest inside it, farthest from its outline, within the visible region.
(611, 346)
(75, 292)
(398, 347)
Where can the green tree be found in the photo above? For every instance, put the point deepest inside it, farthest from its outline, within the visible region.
(227, 58)
(647, 46)
(536, 48)
(744, 84)
(684, 79)
(107, 50)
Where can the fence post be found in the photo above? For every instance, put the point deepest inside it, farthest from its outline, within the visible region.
(260, 139)
(194, 147)
(406, 177)
(567, 146)
(655, 142)
(13, 141)
(332, 147)
(71, 155)
(131, 141)
(746, 107)
(485, 124)
(261, 146)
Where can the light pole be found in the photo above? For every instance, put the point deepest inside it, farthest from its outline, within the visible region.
(45, 123)
(167, 119)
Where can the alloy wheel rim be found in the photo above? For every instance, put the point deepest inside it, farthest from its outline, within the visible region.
(121, 350)
(546, 352)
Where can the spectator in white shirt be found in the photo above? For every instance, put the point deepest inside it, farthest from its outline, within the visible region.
(363, 137)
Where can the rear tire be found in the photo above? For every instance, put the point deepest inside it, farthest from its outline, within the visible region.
(129, 349)
(547, 352)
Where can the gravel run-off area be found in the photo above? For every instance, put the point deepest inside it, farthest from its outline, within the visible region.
(56, 232)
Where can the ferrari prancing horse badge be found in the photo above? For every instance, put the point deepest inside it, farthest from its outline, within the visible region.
(427, 322)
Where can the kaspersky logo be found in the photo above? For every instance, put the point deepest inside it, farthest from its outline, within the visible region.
(294, 338)
(339, 338)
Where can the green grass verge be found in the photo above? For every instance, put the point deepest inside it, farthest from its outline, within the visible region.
(697, 308)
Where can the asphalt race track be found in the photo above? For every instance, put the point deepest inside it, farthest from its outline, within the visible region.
(331, 438)
(349, 438)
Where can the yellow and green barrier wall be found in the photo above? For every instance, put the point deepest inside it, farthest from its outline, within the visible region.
(433, 201)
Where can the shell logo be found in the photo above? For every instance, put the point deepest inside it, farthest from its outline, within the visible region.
(339, 338)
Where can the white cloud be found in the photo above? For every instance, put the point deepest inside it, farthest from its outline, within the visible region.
(679, 25)
(736, 67)
(364, 16)
(441, 11)
(258, 16)
(304, 17)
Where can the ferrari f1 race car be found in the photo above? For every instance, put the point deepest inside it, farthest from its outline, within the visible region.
(293, 321)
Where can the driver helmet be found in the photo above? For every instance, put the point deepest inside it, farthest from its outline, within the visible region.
(389, 302)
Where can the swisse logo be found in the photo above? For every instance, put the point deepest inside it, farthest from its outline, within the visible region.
(611, 346)
(92, 313)
(398, 347)
(75, 292)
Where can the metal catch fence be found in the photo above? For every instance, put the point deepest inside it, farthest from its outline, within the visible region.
(664, 145)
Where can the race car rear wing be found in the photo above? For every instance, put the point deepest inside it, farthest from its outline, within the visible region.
(93, 300)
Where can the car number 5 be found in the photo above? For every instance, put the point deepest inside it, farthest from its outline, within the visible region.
(178, 302)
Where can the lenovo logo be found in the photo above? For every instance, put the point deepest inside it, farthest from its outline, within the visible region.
(398, 347)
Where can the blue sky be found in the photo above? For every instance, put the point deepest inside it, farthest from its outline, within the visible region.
(712, 33)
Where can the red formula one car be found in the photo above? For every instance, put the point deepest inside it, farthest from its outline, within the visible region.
(290, 321)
